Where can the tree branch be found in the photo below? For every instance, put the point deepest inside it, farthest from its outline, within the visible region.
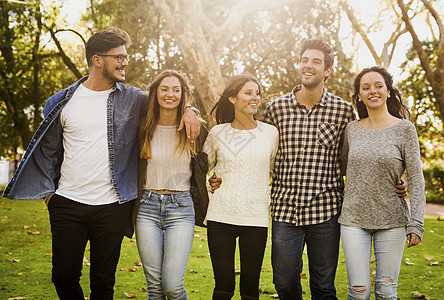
(437, 18)
(417, 45)
(358, 27)
(226, 31)
(65, 58)
(75, 32)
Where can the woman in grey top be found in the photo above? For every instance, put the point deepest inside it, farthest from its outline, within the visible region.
(378, 148)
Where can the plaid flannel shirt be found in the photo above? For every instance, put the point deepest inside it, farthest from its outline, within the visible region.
(307, 185)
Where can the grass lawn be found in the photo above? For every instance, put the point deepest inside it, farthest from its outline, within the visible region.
(25, 264)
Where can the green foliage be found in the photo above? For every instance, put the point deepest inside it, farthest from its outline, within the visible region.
(152, 49)
(25, 264)
(424, 112)
(434, 179)
(267, 44)
(29, 72)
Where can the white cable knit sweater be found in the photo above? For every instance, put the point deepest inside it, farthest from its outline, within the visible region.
(243, 160)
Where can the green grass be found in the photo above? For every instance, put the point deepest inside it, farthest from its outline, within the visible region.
(30, 278)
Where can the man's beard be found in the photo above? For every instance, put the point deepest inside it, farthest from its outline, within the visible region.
(108, 75)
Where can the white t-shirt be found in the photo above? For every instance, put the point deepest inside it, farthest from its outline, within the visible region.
(85, 170)
(243, 160)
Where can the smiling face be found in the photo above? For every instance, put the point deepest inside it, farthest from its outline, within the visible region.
(247, 100)
(112, 70)
(373, 90)
(312, 68)
(169, 93)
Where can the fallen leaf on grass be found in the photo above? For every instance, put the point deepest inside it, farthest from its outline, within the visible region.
(137, 263)
(430, 258)
(203, 239)
(26, 226)
(440, 218)
(16, 298)
(237, 272)
(192, 271)
(48, 255)
(274, 296)
(85, 261)
(432, 263)
(197, 230)
(419, 295)
(303, 275)
(144, 289)
(343, 261)
(15, 260)
(34, 232)
(408, 262)
(131, 295)
(130, 269)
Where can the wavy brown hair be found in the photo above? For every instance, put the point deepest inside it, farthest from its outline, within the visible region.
(151, 118)
(224, 109)
(394, 101)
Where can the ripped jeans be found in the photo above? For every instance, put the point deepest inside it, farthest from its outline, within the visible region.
(388, 248)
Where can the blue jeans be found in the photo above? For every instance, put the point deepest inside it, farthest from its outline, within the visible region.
(164, 233)
(388, 245)
(286, 257)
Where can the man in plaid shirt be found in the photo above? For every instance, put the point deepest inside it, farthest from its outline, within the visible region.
(307, 183)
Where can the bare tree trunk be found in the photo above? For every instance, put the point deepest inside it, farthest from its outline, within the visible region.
(201, 41)
(36, 69)
(435, 78)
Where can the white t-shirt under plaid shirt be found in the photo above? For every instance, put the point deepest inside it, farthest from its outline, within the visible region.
(307, 185)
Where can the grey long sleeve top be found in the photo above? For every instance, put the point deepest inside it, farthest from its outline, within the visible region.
(374, 162)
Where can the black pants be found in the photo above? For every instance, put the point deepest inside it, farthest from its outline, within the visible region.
(222, 244)
(72, 225)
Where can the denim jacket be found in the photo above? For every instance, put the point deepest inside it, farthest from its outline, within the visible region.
(39, 171)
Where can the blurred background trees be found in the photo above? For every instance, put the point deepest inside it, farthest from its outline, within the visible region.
(210, 40)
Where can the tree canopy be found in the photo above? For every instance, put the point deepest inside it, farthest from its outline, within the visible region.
(208, 40)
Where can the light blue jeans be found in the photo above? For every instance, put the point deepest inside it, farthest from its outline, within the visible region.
(164, 233)
(388, 248)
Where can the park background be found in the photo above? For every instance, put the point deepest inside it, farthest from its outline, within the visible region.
(42, 51)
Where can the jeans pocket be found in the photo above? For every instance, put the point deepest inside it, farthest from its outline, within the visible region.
(184, 201)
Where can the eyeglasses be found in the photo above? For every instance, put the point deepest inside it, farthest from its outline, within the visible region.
(119, 57)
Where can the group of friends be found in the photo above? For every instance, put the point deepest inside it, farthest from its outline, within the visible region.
(102, 145)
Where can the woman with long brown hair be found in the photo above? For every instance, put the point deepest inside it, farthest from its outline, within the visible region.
(169, 181)
(377, 149)
(241, 150)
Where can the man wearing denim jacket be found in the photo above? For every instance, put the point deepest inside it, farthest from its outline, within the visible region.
(84, 159)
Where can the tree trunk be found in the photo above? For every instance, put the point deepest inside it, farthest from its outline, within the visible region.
(435, 78)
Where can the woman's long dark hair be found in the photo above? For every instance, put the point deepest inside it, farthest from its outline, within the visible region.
(224, 109)
(394, 102)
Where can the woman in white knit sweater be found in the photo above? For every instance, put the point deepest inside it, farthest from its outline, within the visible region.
(241, 150)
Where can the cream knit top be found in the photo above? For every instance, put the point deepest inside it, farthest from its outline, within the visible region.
(243, 160)
(166, 170)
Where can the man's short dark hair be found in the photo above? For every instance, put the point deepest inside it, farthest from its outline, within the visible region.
(103, 41)
(319, 44)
